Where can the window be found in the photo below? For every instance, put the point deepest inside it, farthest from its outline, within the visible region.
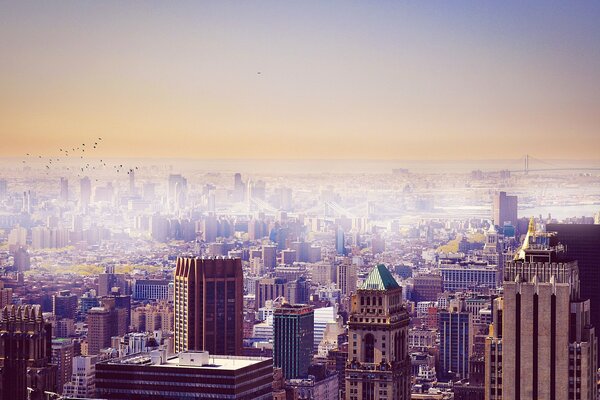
(369, 348)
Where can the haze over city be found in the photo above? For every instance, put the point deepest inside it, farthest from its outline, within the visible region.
(268, 200)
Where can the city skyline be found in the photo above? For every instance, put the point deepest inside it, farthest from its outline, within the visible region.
(318, 81)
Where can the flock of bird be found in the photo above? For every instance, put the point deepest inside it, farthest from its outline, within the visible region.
(78, 153)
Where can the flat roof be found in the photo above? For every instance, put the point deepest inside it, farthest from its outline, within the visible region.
(216, 362)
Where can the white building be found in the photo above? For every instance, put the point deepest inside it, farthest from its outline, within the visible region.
(83, 380)
(322, 317)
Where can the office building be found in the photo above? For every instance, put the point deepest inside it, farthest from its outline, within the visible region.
(209, 305)
(493, 354)
(62, 357)
(99, 330)
(64, 190)
(582, 243)
(6, 295)
(152, 289)
(269, 257)
(504, 209)
(64, 305)
(85, 193)
(82, 384)
(340, 241)
(322, 317)
(456, 341)
(469, 276)
(109, 280)
(26, 371)
(549, 346)
(293, 331)
(190, 374)
(269, 289)
(427, 287)
(346, 277)
(378, 341)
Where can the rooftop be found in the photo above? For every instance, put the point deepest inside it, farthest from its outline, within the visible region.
(380, 278)
(186, 360)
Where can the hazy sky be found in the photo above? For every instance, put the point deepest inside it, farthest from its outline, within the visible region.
(372, 80)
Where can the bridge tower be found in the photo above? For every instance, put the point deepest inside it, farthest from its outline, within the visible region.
(526, 163)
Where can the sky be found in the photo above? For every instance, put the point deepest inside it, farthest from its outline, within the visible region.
(382, 80)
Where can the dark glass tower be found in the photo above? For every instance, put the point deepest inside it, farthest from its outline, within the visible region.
(293, 330)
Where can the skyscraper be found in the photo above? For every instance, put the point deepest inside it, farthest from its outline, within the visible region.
(378, 341)
(293, 334)
(25, 354)
(582, 243)
(64, 190)
(209, 305)
(346, 277)
(340, 241)
(456, 340)
(548, 345)
(99, 330)
(62, 357)
(85, 192)
(504, 209)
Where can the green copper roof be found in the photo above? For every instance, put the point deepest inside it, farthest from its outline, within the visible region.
(380, 279)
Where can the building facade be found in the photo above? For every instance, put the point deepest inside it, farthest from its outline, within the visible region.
(293, 339)
(189, 375)
(209, 305)
(26, 371)
(378, 365)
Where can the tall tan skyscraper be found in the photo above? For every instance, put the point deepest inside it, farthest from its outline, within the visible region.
(548, 344)
(504, 209)
(378, 365)
(209, 305)
(346, 277)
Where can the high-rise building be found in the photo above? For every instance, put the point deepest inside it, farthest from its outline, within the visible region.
(322, 317)
(378, 364)
(119, 307)
(99, 330)
(293, 339)
(82, 384)
(269, 289)
(456, 340)
(190, 374)
(209, 305)
(269, 256)
(504, 209)
(177, 192)
(109, 280)
(3, 188)
(85, 193)
(340, 241)
(132, 190)
(62, 357)
(582, 243)
(26, 371)
(64, 190)
(469, 275)
(6, 295)
(64, 305)
(548, 344)
(493, 354)
(152, 289)
(427, 287)
(346, 277)
(239, 188)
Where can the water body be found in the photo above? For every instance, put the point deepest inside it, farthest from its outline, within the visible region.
(561, 212)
